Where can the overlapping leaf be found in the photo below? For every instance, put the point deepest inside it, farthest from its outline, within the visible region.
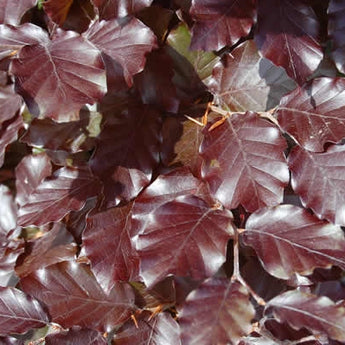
(76, 337)
(318, 314)
(73, 297)
(8, 213)
(57, 10)
(19, 312)
(157, 330)
(107, 245)
(218, 312)
(243, 162)
(314, 114)
(288, 239)
(66, 190)
(126, 45)
(220, 23)
(184, 237)
(11, 14)
(319, 179)
(289, 38)
(10, 103)
(244, 80)
(57, 77)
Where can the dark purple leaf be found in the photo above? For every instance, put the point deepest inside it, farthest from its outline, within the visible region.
(319, 179)
(288, 36)
(10, 103)
(184, 237)
(220, 23)
(11, 341)
(57, 10)
(66, 190)
(76, 337)
(218, 312)
(288, 239)
(57, 77)
(243, 162)
(9, 253)
(244, 80)
(109, 9)
(73, 297)
(318, 314)
(126, 45)
(107, 245)
(19, 312)
(314, 114)
(11, 14)
(127, 152)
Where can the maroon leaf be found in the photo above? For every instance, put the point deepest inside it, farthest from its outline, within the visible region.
(127, 152)
(10, 14)
(336, 10)
(66, 190)
(8, 213)
(220, 23)
(10, 103)
(57, 10)
(107, 245)
(109, 9)
(157, 330)
(288, 36)
(318, 314)
(127, 45)
(243, 162)
(218, 312)
(179, 236)
(244, 80)
(76, 337)
(74, 297)
(319, 179)
(19, 312)
(9, 253)
(288, 240)
(58, 77)
(314, 114)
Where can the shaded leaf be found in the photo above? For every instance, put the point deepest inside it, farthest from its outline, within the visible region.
(243, 162)
(244, 80)
(184, 237)
(220, 23)
(319, 179)
(10, 102)
(57, 10)
(288, 239)
(10, 14)
(289, 37)
(57, 77)
(19, 312)
(126, 44)
(66, 190)
(161, 329)
(314, 114)
(107, 245)
(73, 297)
(318, 314)
(218, 312)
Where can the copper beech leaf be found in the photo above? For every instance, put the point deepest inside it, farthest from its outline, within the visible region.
(10, 103)
(157, 330)
(11, 14)
(217, 312)
(54, 197)
(19, 312)
(289, 38)
(106, 243)
(220, 23)
(57, 10)
(8, 213)
(183, 237)
(314, 114)
(245, 80)
(76, 336)
(319, 179)
(57, 77)
(318, 314)
(243, 162)
(74, 298)
(288, 239)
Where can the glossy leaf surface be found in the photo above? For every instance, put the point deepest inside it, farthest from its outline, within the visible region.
(211, 313)
(289, 240)
(76, 337)
(10, 14)
(243, 162)
(8, 213)
(10, 102)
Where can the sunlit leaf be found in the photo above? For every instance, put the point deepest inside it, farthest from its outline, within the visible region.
(76, 337)
(57, 10)
(218, 312)
(243, 162)
(288, 239)
(11, 13)
(8, 212)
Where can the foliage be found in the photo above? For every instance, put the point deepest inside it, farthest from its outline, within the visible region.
(126, 218)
